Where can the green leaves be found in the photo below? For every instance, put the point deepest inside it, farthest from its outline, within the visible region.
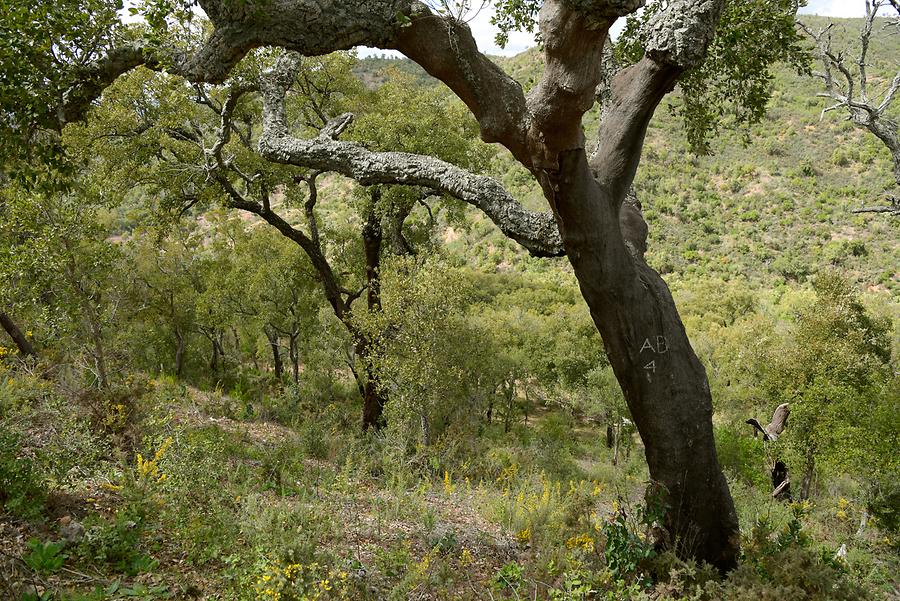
(45, 558)
(733, 85)
(43, 46)
(514, 15)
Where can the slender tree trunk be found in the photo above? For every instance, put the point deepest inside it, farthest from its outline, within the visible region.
(26, 349)
(863, 522)
(527, 403)
(662, 379)
(426, 430)
(219, 347)
(179, 353)
(507, 419)
(616, 438)
(99, 356)
(610, 436)
(294, 353)
(214, 356)
(808, 473)
(374, 398)
(237, 344)
(276, 353)
(96, 335)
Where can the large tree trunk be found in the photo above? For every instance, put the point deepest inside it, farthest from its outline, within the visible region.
(26, 349)
(663, 382)
(662, 379)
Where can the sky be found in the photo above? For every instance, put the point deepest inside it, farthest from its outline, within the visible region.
(484, 32)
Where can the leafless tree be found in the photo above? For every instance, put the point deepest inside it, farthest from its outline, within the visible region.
(849, 86)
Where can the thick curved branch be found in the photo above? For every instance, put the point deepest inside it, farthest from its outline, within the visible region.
(446, 49)
(96, 77)
(677, 39)
(310, 27)
(537, 232)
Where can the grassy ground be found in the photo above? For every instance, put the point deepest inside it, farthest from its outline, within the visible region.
(166, 491)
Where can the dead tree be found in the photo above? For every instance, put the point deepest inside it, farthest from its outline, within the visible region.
(776, 426)
(849, 87)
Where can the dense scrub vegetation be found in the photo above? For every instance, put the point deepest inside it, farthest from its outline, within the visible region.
(190, 424)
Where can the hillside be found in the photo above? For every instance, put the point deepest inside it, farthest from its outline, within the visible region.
(774, 209)
(226, 375)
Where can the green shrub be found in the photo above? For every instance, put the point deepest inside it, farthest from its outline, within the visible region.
(313, 440)
(741, 456)
(885, 505)
(510, 577)
(116, 543)
(22, 490)
(45, 558)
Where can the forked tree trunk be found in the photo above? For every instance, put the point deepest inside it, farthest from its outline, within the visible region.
(26, 349)
(662, 379)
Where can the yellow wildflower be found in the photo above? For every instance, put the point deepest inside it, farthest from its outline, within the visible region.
(582, 541)
(524, 535)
